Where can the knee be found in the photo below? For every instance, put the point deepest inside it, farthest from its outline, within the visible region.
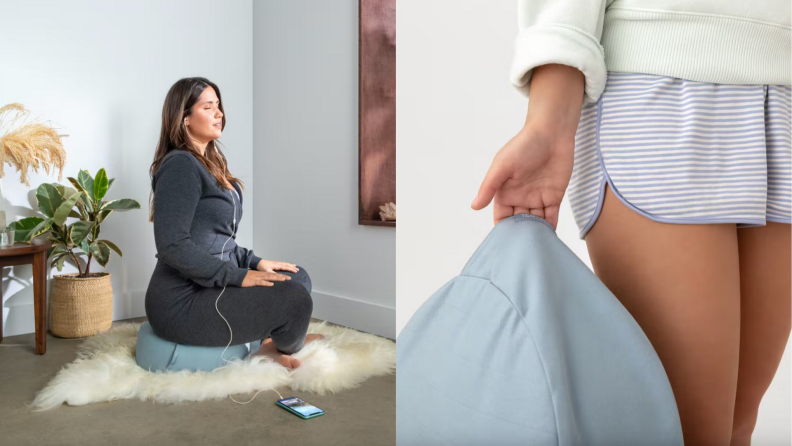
(300, 299)
(303, 278)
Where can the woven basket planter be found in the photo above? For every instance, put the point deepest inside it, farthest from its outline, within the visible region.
(81, 306)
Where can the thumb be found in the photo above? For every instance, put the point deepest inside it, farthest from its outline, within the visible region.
(496, 176)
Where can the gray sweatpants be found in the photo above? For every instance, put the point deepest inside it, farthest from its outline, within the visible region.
(184, 312)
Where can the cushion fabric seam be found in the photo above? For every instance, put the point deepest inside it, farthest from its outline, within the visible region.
(533, 340)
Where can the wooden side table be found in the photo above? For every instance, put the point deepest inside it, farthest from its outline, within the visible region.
(23, 254)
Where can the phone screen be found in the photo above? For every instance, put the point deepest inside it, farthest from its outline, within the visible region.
(300, 406)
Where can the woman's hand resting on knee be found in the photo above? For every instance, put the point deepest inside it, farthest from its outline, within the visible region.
(271, 266)
(265, 274)
(262, 278)
(530, 174)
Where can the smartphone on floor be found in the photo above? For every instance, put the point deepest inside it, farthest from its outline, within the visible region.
(300, 408)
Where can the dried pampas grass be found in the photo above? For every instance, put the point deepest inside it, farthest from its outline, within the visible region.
(29, 144)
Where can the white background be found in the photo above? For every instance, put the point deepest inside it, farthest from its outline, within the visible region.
(455, 110)
(287, 72)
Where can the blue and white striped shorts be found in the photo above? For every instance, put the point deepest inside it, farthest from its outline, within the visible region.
(679, 151)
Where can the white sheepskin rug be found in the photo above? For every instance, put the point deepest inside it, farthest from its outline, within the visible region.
(106, 370)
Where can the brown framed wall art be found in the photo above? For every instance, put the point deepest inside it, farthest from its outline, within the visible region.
(377, 112)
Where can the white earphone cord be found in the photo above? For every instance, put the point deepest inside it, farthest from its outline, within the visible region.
(222, 252)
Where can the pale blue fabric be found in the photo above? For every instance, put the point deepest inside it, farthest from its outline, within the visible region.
(159, 355)
(527, 346)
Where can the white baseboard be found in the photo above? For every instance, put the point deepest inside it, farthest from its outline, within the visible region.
(363, 316)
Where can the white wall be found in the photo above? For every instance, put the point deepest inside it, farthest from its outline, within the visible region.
(305, 133)
(455, 110)
(101, 71)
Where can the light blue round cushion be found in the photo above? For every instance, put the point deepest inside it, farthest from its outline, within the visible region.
(528, 346)
(156, 354)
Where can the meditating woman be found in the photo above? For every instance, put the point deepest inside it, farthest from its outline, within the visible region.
(196, 209)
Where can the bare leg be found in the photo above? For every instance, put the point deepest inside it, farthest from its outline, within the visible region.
(681, 284)
(268, 349)
(766, 296)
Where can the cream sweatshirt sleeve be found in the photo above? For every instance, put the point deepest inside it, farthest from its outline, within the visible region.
(565, 32)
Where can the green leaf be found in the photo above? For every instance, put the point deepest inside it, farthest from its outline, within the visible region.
(86, 181)
(84, 200)
(56, 250)
(60, 233)
(110, 183)
(58, 260)
(100, 184)
(48, 199)
(64, 191)
(80, 230)
(39, 229)
(76, 184)
(111, 245)
(82, 183)
(85, 247)
(122, 204)
(53, 238)
(63, 210)
(89, 206)
(103, 215)
(22, 227)
(101, 252)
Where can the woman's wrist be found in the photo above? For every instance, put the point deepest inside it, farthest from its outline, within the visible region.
(555, 99)
(254, 262)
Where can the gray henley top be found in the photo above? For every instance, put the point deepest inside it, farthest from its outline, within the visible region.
(193, 218)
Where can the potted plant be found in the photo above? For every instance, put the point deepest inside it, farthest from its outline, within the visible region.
(82, 302)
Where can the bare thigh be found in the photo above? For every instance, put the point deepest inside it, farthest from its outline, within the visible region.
(681, 283)
(766, 298)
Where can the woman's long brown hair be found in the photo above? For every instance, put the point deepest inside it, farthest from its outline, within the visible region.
(173, 135)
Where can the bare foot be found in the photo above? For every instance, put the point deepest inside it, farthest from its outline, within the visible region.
(268, 349)
(312, 337)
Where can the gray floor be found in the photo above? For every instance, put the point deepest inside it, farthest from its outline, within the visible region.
(362, 416)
